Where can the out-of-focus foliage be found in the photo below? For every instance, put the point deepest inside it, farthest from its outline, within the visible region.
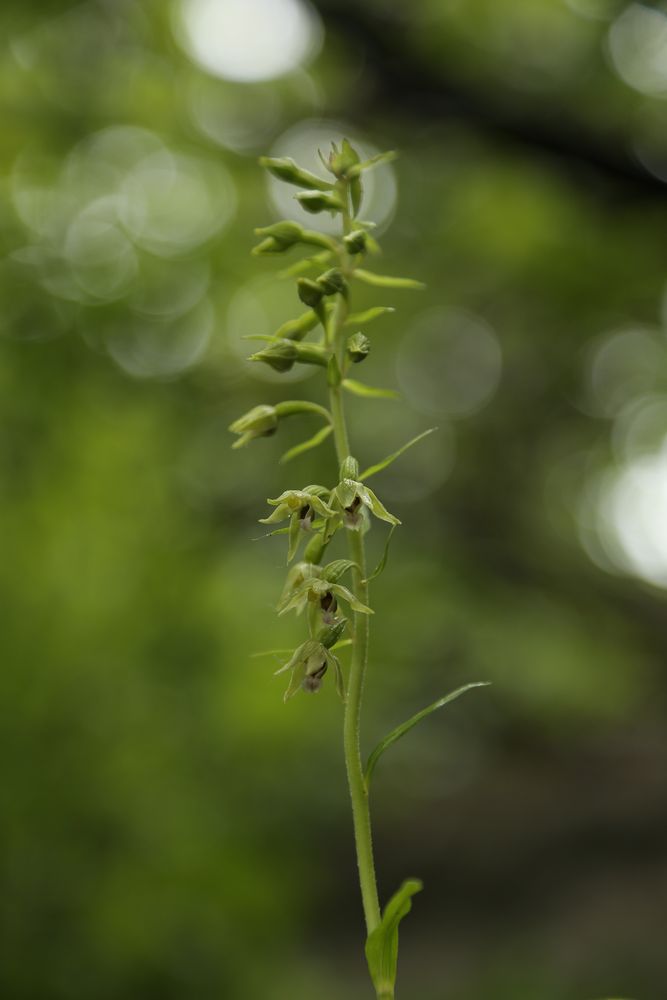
(169, 828)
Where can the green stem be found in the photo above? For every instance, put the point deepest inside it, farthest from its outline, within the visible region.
(351, 726)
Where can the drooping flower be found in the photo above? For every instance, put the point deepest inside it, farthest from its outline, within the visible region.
(300, 506)
(350, 498)
(311, 660)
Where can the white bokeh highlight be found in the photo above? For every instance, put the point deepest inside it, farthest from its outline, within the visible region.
(248, 40)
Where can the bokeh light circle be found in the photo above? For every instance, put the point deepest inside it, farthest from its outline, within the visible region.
(449, 363)
(248, 40)
(637, 44)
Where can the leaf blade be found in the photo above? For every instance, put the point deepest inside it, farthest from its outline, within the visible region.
(382, 943)
(368, 315)
(387, 280)
(312, 442)
(368, 391)
(383, 559)
(379, 466)
(406, 726)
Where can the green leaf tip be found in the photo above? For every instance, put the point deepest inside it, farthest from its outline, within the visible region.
(382, 943)
(368, 391)
(373, 469)
(387, 280)
(312, 442)
(405, 727)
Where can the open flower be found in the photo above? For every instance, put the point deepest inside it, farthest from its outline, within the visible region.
(311, 660)
(300, 506)
(324, 593)
(350, 498)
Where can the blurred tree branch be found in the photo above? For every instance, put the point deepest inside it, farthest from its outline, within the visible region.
(408, 85)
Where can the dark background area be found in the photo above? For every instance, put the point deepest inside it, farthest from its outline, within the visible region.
(168, 827)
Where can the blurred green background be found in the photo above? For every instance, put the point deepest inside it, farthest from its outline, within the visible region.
(168, 827)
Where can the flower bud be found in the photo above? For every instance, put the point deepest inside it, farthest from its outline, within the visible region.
(278, 238)
(319, 201)
(349, 468)
(330, 634)
(332, 282)
(341, 160)
(280, 356)
(285, 169)
(261, 421)
(356, 241)
(358, 346)
(310, 293)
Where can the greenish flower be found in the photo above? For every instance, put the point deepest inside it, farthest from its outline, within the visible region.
(307, 667)
(300, 507)
(351, 498)
(324, 593)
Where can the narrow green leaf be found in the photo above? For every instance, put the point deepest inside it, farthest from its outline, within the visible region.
(341, 644)
(382, 943)
(276, 531)
(383, 561)
(306, 264)
(368, 391)
(356, 193)
(386, 280)
(358, 319)
(271, 652)
(373, 162)
(294, 534)
(338, 674)
(312, 442)
(401, 730)
(391, 458)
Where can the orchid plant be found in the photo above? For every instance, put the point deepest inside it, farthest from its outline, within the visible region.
(337, 614)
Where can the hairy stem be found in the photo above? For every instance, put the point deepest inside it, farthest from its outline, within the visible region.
(351, 726)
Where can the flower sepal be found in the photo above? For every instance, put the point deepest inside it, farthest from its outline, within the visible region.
(308, 665)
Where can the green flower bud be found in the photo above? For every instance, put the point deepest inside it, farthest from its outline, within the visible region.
(358, 347)
(332, 282)
(310, 293)
(356, 241)
(319, 201)
(261, 421)
(330, 634)
(279, 237)
(285, 169)
(349, 468)
(340, 161)
(280, 356)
